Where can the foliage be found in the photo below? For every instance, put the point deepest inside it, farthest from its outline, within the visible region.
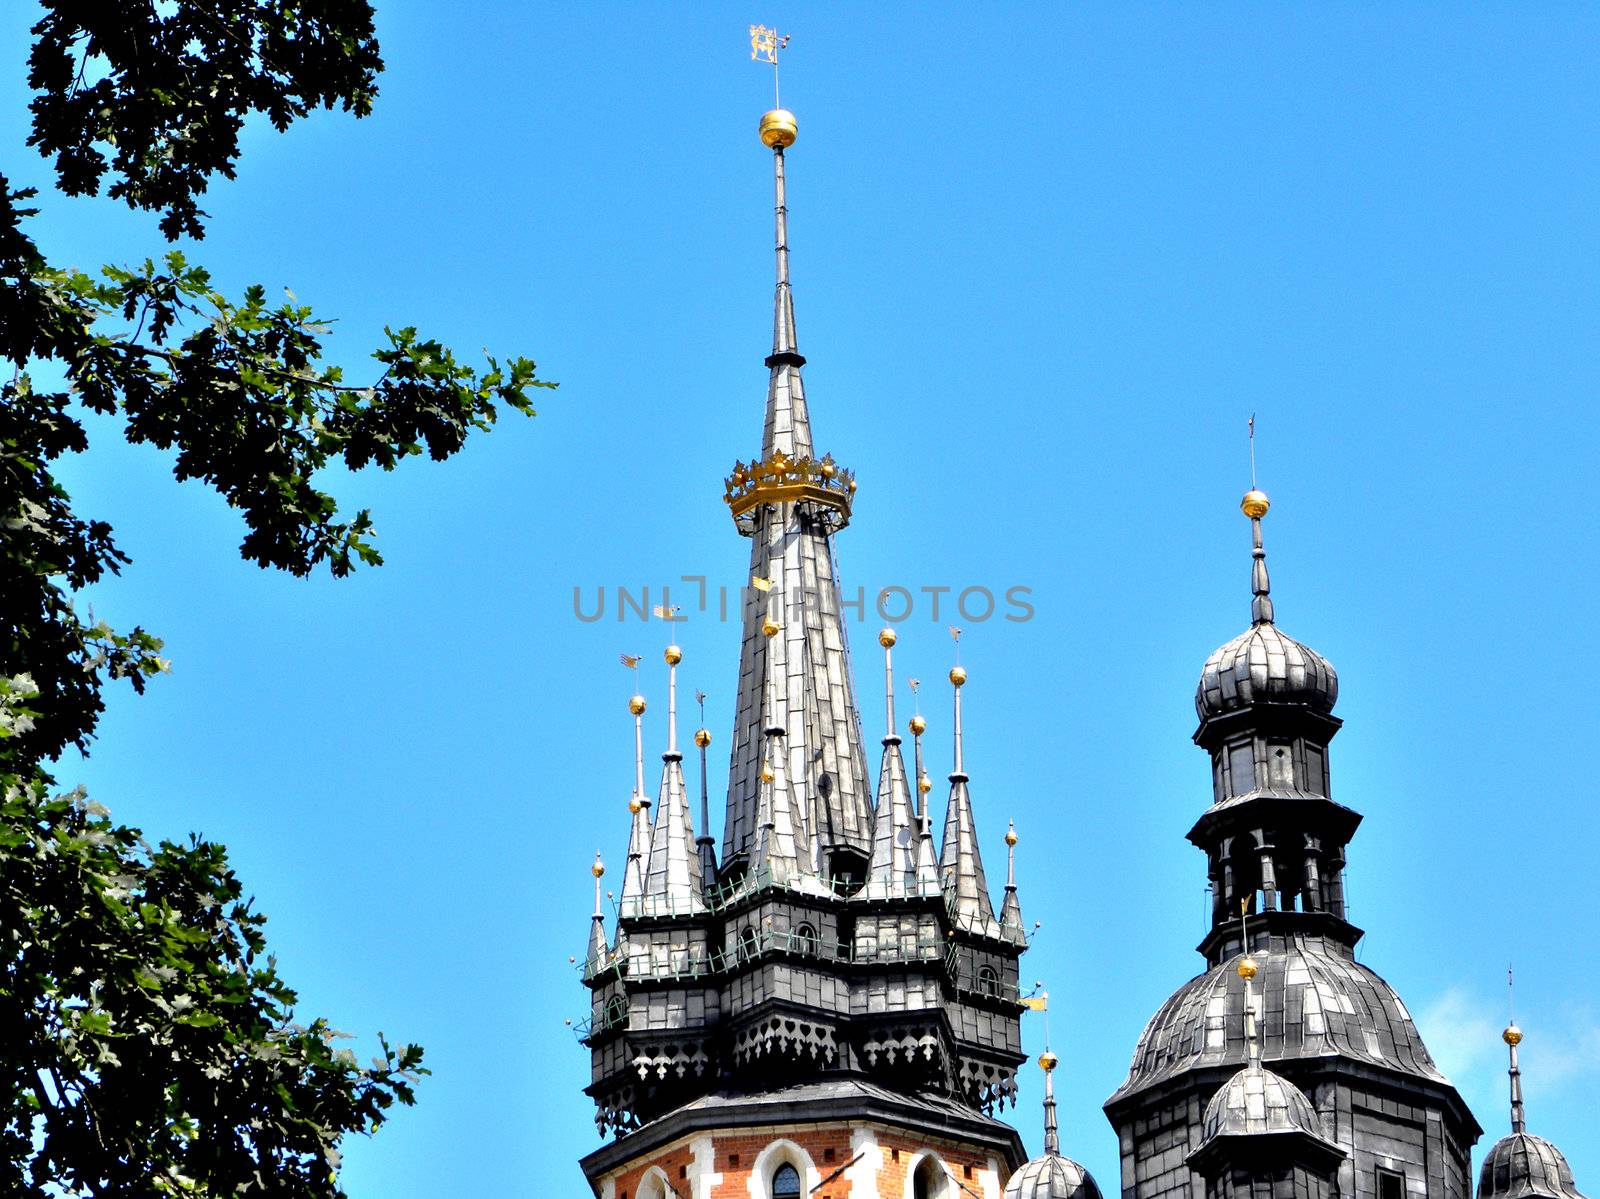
(147, 1044)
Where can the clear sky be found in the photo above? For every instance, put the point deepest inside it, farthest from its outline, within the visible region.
(1047, 261)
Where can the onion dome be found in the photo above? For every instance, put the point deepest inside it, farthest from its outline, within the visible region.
(1263, 664)
(1339, 1009)
(1523, 1166)
(1255, 1101)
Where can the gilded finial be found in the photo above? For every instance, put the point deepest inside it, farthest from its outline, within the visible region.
(1011, 834)
(702, 737)
(779, 129)
(958, 675)
(673, 655)
(918, 726)
(635, 804)
(1048, 1061)
(1255, 504)
(1247, 968)
(766, 772)
(636, 705)
(887, 638)
(599, 867)
(770, 627)
(924, 784)
(1512, 1035)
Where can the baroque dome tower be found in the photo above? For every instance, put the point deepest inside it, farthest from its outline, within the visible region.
(1335, 1057)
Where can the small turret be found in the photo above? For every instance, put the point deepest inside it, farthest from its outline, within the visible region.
(638, 864)
(1051, 1176)
(960, 863)
(1523, 1166)
(896, 836)
(673, 881)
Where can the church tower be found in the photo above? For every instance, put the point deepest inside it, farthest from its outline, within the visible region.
(1335, 1093)
(830, 1008)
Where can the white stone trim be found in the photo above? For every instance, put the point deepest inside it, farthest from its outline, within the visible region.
(655, 1174)
(703, 1176)
(863, 1176)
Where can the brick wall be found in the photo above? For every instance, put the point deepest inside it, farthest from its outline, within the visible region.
(844, 1161)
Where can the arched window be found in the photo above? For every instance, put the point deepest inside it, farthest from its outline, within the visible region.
(616, 1011)
(786, 1182)
(805, 940)
(749, 944)
(988, 981)
(928, 1181)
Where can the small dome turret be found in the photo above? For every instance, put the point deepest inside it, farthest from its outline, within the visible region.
(1523, 1166)
(1052, 1177)
(1255, 1100)
(1264, 664)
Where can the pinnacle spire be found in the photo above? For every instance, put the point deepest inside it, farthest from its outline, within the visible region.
(1512, 1036)
(789, 503)
(705, 844)
(895, 836)
(788, 423)
(780, 840)
(960, 864)
(1011, 907)
(673, 879)
(598, 947)
(927, 861)
(633, 873)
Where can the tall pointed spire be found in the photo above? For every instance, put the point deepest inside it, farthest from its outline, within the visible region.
(927, 860)
(789, 502)
(960, 863)
(599, 950)
(673, 881)
(633, 872)
(895, 835)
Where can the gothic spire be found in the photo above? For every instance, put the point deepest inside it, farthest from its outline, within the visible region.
(780, 842)
(895, 836)
(599, 950)
(789, 502)
(673, 880)
(960, 864)
(927, 862)
(1011, 907)
(638, 864)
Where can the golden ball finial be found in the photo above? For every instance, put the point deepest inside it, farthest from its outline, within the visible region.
(778, 129)
(636, 705)
(958, 675)
(766, 772)
(1011, 835)
(1247, 968)
(674, 655)
(702, 737)
(1512, 1035)
(918, 726)
(1255, 504)
(1048, 1061)
(635, 804)
(924, 784)
(599, 867)
(770, 627)
(887, 638)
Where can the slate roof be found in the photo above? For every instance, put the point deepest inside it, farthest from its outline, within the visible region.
(1264, 664)
(1316, 1002)
(1256, 1101)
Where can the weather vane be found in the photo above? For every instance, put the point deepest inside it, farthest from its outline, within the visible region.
(1252, 428)
(765, 45)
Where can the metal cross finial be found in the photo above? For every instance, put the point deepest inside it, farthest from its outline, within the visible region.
(765, 45)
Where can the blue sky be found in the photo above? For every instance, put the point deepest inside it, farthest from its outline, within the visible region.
(1046, 263)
